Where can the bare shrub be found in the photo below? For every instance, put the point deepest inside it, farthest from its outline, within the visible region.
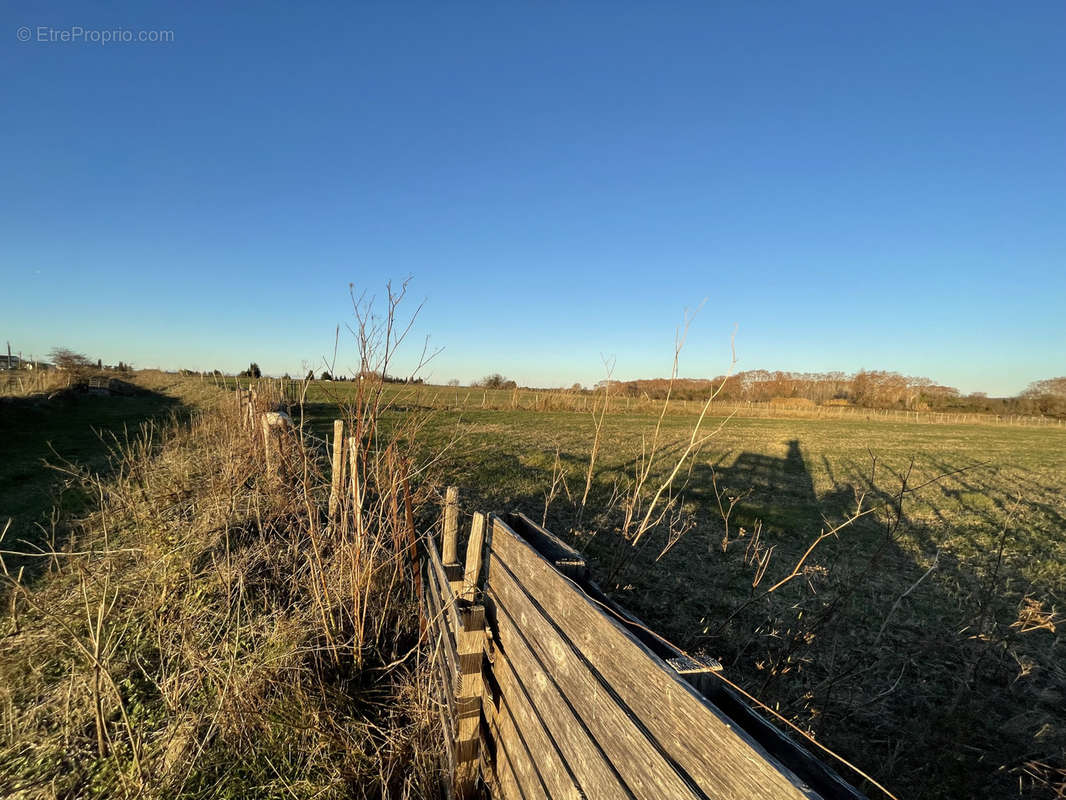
(212, 631)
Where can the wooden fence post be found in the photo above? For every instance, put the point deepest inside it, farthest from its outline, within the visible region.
(449, 554)
(470, 645)
(337, 485)
(268, 451)
(474, 550)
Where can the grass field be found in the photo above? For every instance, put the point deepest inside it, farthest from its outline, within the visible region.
(920, 642)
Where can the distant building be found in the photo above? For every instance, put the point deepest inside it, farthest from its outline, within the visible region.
(14, 362)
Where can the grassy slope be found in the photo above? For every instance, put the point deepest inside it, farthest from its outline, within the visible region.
(200, 643)
(80, 429)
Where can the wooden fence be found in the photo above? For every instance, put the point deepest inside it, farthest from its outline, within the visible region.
(549, 690)
(427, 396)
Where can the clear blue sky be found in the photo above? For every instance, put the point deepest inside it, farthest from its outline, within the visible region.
(852, 184)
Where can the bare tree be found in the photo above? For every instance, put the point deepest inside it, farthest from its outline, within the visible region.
(65, 358)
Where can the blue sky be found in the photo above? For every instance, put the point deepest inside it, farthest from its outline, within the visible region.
(850, 184)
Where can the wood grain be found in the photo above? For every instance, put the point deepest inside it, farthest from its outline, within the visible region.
(706, 746)
(605, 747)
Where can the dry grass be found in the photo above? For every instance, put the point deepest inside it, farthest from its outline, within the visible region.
(924, 643)
(210, 632)
(26, 383)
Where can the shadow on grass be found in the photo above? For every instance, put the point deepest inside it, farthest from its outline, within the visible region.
(921, 676)
(40, 434)
(914, 673)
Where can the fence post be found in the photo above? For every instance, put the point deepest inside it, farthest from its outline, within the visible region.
(470, 645)
(449, 551)
(268, 451)
(338, 468)
(474, 551)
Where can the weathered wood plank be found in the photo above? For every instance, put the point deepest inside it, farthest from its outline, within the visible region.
(470, 645)
(474, 550)
(797, 758)
(565, 558)
(811, 770)
(444, 654)
(722, 760)
(519, 759)
(505, 782)
(450, 538)
(609, 754)
(444, 585)
(337, 472)
(553, 769)
(442, 615)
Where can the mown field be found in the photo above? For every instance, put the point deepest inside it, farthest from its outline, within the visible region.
(922, 641)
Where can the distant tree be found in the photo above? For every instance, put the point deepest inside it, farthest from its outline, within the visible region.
(577, 387)
(453, 382)
(253, 371)
(1048, 396)
(310, 376)
(65, 358)
(496, 381)
(325, 376)
(1050, 387)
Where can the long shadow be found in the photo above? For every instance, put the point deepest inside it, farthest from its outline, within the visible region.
(40, 435)
(917, 673)
(913, 673)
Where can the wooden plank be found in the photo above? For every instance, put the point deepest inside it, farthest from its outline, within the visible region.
(471, 647)
(505, 783)
(442, 594)
(474, 550)
(553, 770)
(450, 540)
(715, 755)
(337, 476)
(810, 770)
(444, 585)
(444, 653)
(565, 558)
(820, 777)
(516, 757)
(608, 753)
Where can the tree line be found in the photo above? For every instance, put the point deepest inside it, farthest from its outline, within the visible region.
(865, 389)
